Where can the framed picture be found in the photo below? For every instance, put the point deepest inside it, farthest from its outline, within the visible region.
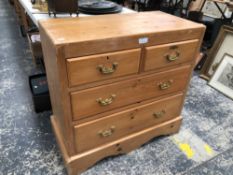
(222, 44)
(211, 10)
(222, 79)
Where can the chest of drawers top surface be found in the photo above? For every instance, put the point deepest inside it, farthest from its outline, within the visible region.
(108, 32)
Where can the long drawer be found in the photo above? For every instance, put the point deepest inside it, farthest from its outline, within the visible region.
(94, 68)
(107, 97)
(107, 129)
(169, 54)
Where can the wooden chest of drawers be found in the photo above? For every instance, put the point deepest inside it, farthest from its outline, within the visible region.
(116, 81)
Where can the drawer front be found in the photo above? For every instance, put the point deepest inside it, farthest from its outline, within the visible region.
(101, 67)
(104, 98)
(118, 125)
(169, 54)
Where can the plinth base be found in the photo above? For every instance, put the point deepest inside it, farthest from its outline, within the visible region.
(80, 162)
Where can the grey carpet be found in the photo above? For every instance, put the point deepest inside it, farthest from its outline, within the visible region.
(28, 146)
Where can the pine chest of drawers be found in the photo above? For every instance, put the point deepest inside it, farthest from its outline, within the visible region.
(116, 81)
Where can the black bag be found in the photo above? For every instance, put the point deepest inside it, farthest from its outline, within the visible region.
(40, 92)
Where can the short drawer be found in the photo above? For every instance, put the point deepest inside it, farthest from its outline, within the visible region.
(107, 97)
(93, 68)
(169, 54)
(107, 129)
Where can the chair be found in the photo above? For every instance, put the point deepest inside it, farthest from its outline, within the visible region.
(212, 25)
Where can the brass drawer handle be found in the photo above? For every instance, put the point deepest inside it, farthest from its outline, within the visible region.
(173, 57)
(165, 85)
(107, 132)
(159, 114)
(106, 101)
(107, 70)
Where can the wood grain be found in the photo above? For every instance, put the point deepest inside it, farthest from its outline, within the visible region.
(56, 76)
(72, 50)
(156, 56)
(87, 135)
(83, 70)
(84, 102)
(82, 36)
(80, 162)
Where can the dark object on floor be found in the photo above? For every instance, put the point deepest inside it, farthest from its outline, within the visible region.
(62, 6)
(201, 62)
(99, 7)
(40, 93)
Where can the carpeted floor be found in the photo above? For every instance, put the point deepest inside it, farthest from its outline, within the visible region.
(204, 144)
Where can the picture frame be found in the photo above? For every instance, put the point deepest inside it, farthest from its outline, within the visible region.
(222, 45)
(222, 80)
(211, 10)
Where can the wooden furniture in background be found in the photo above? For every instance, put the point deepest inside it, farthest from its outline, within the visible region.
(35, 46)
(36, 14)
(62, 6)
(23, 19)
(29, 15)
(115, 87)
